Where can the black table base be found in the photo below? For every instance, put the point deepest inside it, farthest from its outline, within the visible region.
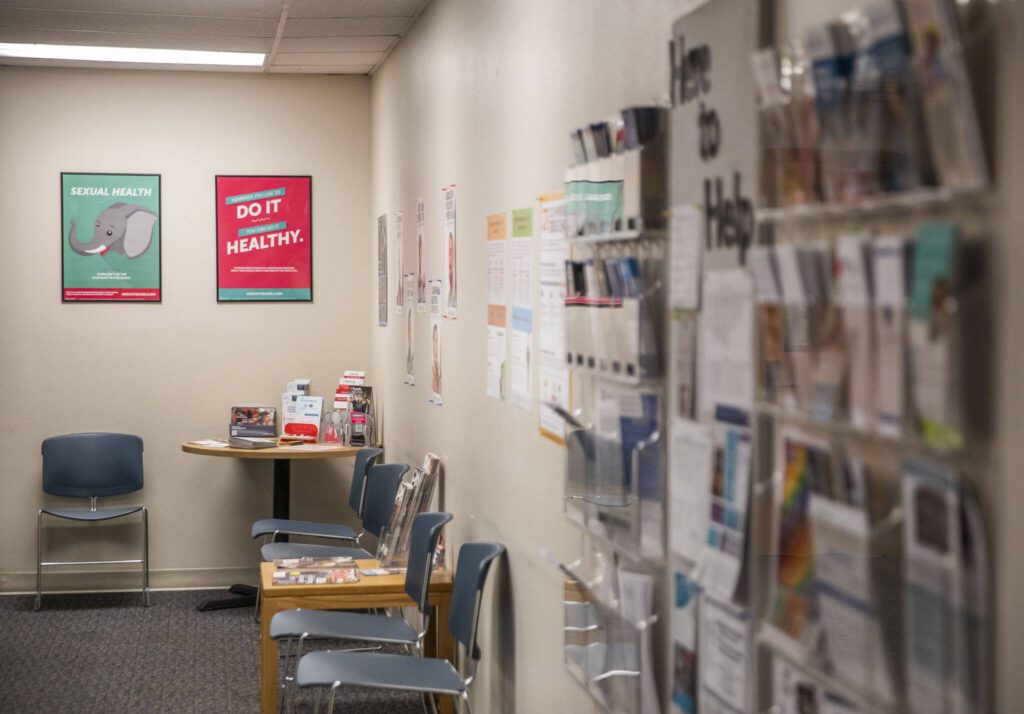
(245, 595)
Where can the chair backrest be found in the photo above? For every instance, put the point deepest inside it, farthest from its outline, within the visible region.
(91, 465)
(470, 575)
(365, 458)
(382, 483)
(426, 532)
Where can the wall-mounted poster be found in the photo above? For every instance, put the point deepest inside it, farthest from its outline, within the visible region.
(110, 237)
(451, 285)
(264, 238)
(382, 270)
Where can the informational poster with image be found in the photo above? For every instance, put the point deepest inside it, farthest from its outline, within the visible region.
(554, 375)
(410, 329)
(496, 307)
(421, 276)
(521, 271)
(399, 266)
(684, 645)
(436, 308)
(264, 238)
(110, 237)
(451, 286)
(382, 270)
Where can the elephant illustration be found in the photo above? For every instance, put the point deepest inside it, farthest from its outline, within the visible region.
(125, 228)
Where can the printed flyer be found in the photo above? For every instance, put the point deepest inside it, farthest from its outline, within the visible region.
(554, 376)
(435, 342)
(382, 270)
(410, 330)
(399, 294)
(451, 287)
(264, 238)
(521, 282)
(110, 241)
(421, 277)
(496, 309)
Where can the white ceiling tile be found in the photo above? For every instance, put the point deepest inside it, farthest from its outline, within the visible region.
(317, 69)
(142, 24)
(336, 27)
(355, 8)
(126, 39)
(380, 43)
(333, 59)
(207, 8)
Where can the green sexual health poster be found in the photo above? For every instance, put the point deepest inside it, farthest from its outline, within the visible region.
(110, 237)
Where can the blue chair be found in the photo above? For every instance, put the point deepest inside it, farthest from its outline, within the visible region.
(365, 459)
(300, 625)
(89, 466)
(390, 671)
(382, 482)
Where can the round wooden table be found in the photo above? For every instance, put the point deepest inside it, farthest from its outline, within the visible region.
(282, 456)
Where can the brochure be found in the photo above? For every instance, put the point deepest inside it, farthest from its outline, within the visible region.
(335, 576)
(253, 421)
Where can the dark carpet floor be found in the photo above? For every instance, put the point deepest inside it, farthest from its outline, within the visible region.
(106, 653)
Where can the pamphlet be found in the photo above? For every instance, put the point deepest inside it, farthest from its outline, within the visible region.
(253, 421)
(301, 416)
(890, 332)
(725, 649)
(335, 576)
(684, 645)
(312, 563)
(855, 295)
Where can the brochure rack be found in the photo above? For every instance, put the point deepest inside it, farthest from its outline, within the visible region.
(615, 483)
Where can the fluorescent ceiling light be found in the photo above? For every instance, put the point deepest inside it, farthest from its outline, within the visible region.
(130, 54)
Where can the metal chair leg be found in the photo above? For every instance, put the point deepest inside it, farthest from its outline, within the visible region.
(465, 701)
(330, 700)
(316, 701)
(39, 561)
(145, 555)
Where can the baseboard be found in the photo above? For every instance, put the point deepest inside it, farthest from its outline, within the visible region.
(55, 580)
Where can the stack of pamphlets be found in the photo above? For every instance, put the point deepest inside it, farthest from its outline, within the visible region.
(314, 571)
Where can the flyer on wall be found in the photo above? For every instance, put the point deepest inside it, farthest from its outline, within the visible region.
(110, 239)
(410, 330)
(400, 281)
(436, 298)
(554, 376)
(382, 270)
(264, 238)
(496, 308)
(451, 287)
(521, 274)
(421, 277)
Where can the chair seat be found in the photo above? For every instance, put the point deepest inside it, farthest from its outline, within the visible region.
(84, 514)
(269, 526)
(276, 551)
(387, 671)
(341, 626)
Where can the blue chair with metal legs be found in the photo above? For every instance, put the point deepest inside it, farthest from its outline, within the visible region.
(90, 466)
(382, 482)
(365, 459)
(294, 627)
(333, 669)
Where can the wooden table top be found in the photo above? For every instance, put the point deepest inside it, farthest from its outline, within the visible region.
(322, 451)
(440, 581)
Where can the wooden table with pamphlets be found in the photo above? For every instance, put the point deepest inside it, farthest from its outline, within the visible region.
(372, 591)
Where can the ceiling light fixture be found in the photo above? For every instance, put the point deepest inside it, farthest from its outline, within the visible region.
(83, 53)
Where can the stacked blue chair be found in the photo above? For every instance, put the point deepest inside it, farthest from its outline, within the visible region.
(332, 669)
(294, 627)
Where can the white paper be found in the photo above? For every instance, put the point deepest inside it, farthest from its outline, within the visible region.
(724, 652)
(214, 443)
(382, 270)
(554, 375)
(686, 237)
(890, 332)
(451, 286)
(691, 460)
(725, 363)
(521, 270)
(520, 391)
(421, 275)
(410, 329)
(436, 308)
(495, 252)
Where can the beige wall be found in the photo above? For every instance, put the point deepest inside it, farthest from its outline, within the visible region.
(171, 372)
(484, 94)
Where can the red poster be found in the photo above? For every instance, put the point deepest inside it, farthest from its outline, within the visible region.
(264, 238)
